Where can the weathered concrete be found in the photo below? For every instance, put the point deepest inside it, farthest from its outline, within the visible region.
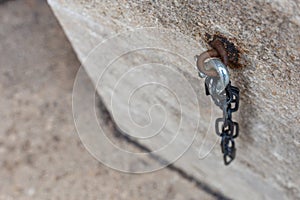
(267, 33)
(41, 156)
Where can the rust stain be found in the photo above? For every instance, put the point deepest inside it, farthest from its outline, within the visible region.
(228, 51)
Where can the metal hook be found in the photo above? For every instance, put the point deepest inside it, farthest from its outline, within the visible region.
(201, 60)
(218, 50)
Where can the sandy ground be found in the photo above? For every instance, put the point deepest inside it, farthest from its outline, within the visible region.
(41, 156)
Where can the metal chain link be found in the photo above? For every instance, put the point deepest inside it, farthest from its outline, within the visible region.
(230, 129)
(226, 97)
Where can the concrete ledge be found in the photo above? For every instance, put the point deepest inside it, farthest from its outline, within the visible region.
(267, 164)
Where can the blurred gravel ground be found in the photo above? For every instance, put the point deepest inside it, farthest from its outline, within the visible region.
(41, 156)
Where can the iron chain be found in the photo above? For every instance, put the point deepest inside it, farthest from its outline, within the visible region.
(227, 129)
(212, 65)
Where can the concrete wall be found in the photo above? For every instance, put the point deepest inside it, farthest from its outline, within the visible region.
(126, 55)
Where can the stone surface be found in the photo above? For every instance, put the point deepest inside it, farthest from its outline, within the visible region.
(41, 156)
(266, 32)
